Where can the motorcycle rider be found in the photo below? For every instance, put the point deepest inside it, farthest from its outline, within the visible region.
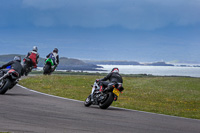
(55, 57)
(34, 56)
(15, 64)
(115, 80)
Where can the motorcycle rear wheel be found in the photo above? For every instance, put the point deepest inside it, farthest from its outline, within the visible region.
(107, 102)
(5, 86)
(25, 70)
(47, 69)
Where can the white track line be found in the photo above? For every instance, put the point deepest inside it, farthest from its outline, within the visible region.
(48, 94)
(111, 106)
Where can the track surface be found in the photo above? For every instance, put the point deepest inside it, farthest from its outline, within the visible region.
(24, 111)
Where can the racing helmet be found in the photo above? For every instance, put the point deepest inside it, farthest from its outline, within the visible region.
(55, 50)
(35, 48)
(17, 58)
(115, 69)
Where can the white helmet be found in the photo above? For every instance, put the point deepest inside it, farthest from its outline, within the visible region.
(35, 48)
(17, 58)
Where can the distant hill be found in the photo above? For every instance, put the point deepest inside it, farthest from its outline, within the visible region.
(75, 64)
(6, 58)
(65, 63)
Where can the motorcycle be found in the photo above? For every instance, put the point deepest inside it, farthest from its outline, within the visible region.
(49, 66)
(8, 80)
(103, 98)
(27, 66)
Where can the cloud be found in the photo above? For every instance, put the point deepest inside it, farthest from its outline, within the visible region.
(129, 14)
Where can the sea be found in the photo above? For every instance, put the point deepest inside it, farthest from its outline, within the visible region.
(153, 70)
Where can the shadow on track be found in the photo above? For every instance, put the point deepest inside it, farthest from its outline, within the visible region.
(109, 108)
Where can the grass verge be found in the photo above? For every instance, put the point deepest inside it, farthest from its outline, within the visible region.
(177, 96)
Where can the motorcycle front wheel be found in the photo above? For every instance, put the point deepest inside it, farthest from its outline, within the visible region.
(88, 102)
(4, 86)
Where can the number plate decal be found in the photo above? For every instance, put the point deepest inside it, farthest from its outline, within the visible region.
(116, 92)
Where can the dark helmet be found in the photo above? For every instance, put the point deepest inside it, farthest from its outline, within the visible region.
(17, 58)
(55, 50)
(35, 48)
(115, 69)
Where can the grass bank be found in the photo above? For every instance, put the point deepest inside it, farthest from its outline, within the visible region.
(178, 96)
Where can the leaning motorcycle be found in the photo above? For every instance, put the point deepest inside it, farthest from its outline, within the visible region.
(103, 98)
(8, 80)
(49, 67)
(27, 66)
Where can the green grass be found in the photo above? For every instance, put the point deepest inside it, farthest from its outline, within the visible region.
(178, 96)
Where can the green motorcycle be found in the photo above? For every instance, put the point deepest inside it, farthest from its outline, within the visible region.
(49, 67)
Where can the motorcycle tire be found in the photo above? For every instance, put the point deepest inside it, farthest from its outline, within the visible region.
(108, 101)
(5, 87)
(88, 102)
(12, 85)
(25, 70)
(47, 69)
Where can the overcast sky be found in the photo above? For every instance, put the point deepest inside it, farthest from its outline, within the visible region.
(138, 30)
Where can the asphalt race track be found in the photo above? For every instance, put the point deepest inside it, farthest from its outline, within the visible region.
(25, 111)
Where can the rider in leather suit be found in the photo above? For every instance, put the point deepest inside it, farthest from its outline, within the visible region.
(54, 56)
(34, 56)
(114, 78)
(15, 64)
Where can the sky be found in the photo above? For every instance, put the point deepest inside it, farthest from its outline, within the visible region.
(132, 30)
